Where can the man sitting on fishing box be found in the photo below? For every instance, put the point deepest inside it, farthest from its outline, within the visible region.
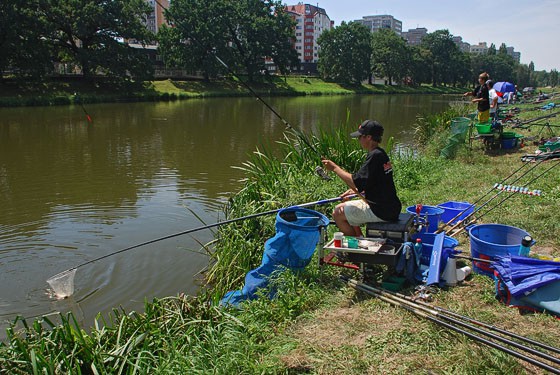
(374, 180)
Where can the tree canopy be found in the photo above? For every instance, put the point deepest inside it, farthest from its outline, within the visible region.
(241, 33)
(91, 33)
(345, 53)
(390, 55)
(20, 39)
(96, 37)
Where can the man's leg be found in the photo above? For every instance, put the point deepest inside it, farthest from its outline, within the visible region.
(341, 222)
(358, 231)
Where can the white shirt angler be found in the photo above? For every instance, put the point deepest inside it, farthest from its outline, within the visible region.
(493, 94)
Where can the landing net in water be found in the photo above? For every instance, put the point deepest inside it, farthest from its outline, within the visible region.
(62, 283)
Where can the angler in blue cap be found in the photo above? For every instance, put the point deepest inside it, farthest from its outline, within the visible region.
(374, 182)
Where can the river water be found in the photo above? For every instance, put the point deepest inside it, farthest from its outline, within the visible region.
(71, 191)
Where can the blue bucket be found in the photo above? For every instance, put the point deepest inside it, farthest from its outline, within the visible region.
(428, 240)
(491, 240)
(434, 216)
(509, 143)
(452, 209)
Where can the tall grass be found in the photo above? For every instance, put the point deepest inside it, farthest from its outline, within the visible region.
(428, 126)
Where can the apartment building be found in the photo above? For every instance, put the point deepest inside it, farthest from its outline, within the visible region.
(480, 48)
(463, 46)
(311, 22)
(156, 18)
(374, 23)
(515, 55)
(414, 36)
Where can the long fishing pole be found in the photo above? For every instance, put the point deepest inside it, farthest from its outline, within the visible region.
(460, 222)
(428, 309)
(79, 100)
(425, 313)
(521, 124)
(462, 317)
(503, 200)
(488, 192)
(497, 205)
(219, 223)
(319, 170)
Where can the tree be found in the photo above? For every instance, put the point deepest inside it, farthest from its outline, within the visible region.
(420, 58)
(522, 75)
(503, 49)
(260, 29)
(442, 53)
(93, 34)
(240, 33)
(491, 50)
(196, 37)
(460, 65)
(500, 67)
(345, 53)
(390, 55)
(553, 78)
(23, 51)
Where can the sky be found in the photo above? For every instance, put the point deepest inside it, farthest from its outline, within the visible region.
(531, 27)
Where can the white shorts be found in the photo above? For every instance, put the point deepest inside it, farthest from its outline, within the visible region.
(358, 212)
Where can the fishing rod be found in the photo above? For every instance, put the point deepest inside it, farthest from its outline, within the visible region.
(79, 100)
(319, 170)
(488, 192)
(526, 122)
(219, 223)
(448, 322)
(438, 314)
(498, 204)
(475, 321)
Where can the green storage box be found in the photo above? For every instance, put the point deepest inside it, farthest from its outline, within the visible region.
(393, 283)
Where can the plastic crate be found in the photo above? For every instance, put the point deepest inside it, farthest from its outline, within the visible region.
(452, 209)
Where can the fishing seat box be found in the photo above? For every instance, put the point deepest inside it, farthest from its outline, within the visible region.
(393, 230)
(389, 258)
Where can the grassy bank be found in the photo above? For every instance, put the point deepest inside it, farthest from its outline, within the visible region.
(63, 92)
(316, 324)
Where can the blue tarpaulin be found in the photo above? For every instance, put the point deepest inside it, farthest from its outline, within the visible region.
(528, 282)
(297, 236)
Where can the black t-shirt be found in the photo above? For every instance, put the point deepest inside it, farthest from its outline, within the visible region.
(481, 91)
(375, 178)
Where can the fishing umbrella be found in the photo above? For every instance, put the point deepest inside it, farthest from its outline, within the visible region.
(504, 87)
